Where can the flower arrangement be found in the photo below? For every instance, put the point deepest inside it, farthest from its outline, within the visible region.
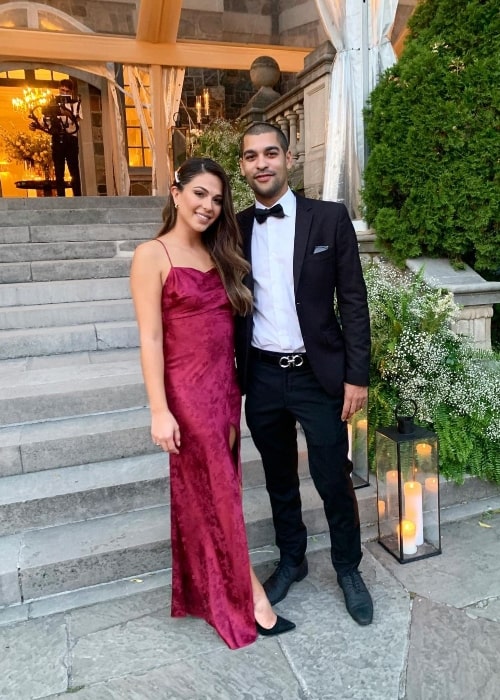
(33, 148)
(417, 356)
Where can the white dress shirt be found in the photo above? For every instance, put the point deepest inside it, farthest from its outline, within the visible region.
(276, 326)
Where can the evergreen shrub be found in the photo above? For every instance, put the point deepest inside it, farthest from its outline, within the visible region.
(432, 177)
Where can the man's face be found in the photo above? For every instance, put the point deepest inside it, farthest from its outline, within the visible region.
(63, 90)
(265, 166)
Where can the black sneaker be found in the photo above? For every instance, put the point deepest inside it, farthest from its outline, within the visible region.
(277, 585)
(357, 599)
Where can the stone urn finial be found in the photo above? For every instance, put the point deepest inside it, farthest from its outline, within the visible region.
(264, 74)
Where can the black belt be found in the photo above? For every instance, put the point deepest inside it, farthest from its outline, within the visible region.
(280, 359)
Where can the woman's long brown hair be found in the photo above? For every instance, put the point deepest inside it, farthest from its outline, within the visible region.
(222, 238)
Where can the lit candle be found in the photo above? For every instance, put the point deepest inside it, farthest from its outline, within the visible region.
(381, 508)
(424, 452)
(431, 486)
(362, 425)
(360, 445)
(206, 101)
(392, 494)
(408, 532)
(198, 108)
(413, 508)
(349, 437)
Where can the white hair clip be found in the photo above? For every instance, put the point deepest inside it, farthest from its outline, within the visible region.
(176, 177)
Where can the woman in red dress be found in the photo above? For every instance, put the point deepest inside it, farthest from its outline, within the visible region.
(186, 286)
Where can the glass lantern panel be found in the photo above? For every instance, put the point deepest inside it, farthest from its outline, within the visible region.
(387, 486)
(357, 429)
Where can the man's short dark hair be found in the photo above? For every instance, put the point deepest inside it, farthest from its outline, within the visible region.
(264, 128)
(67, 83)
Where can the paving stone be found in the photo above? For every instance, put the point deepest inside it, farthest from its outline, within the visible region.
(333, 656)
(259, 672)
(449, 577)
(139, 646)
(33, 659)
(111, 613)
(489, 609)
(451, 657)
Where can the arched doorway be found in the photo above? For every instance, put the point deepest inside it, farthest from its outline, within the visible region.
(103, 162)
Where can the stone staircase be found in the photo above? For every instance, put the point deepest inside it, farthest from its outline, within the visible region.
(83, 492)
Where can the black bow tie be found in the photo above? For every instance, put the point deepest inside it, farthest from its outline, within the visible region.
(262, 214)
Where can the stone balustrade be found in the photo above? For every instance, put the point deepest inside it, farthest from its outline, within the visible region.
(471, 292)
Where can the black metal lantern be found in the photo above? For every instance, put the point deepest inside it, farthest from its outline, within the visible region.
(357, 428)
(408, 490)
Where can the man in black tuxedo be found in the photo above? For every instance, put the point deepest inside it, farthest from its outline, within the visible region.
(300, 361)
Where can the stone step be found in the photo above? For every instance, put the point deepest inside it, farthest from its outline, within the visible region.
(68, 250)
(79, 440)
(66, 314)
(64, 291)
(69, 494)
(35, 235)
(53, 270)
(84, 491)
(47, 561)
(52, 560)
(8, 204)
(48, 341)
(33, 447)
(36, 218)
(76, 388)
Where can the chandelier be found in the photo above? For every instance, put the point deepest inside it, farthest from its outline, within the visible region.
(31, 99)
(206, 106)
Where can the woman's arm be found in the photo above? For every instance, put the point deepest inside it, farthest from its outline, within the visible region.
(146, 285)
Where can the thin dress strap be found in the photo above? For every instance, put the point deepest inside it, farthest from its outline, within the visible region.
(166, 251)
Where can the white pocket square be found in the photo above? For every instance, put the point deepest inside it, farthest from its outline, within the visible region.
(320, 249)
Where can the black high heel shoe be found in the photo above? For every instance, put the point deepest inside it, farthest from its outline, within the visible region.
(280, 626)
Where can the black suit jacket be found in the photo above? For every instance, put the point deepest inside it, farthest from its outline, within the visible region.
(338, 348)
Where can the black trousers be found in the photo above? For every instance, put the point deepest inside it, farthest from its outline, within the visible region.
(65, 150)
(276, 399)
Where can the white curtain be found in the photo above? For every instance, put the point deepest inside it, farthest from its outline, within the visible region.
(119, 163)
(169, 94)
(360, 32)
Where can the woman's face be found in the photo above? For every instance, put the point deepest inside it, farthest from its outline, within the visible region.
(199, 204)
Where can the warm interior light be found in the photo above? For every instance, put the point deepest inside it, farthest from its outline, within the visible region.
(32, 97)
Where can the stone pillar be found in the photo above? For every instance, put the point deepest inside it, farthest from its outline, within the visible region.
(315, 80)
(475, 321)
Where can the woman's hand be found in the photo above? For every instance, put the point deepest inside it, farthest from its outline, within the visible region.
(165, 432)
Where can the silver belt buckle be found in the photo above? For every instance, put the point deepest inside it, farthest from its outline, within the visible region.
(291, 361)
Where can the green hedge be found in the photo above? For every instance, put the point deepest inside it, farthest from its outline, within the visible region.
(432, 177)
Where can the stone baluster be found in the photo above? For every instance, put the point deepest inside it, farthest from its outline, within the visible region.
(292, 128)
(282, 122)
(301, 142)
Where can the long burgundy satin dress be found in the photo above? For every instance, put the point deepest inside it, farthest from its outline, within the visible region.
(210, 560)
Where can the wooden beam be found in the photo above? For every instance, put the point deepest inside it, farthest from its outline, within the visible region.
(158, 21)
(61, 47)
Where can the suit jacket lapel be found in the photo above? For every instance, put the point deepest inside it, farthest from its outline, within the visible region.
(245, 220)
(303, 221)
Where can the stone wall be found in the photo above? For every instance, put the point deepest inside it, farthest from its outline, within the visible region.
(294, 23)
(108, 17)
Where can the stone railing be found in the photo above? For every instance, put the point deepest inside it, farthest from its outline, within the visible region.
(471, 292)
